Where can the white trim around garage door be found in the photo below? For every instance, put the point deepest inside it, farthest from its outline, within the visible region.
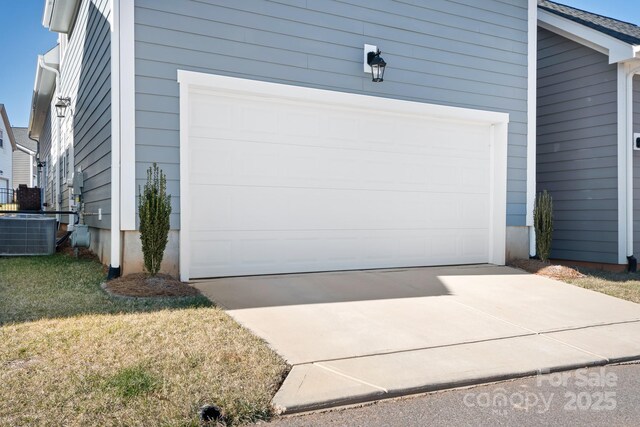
(190, 81)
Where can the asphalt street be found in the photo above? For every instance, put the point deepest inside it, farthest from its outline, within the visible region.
(598, 396)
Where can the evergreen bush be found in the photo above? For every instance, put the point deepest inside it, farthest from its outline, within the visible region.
(154, 208)
(543, 223)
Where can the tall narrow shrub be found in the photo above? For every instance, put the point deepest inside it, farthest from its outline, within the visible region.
(154, 207)
(543, 223)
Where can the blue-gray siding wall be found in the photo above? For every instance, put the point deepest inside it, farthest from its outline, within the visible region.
(636, 169)
(466, 53)
(86, 78)
(577, 147)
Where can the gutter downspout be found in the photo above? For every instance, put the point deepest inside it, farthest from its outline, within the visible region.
(42, 64)
(115, 250)
(37, 158)
(632, 262)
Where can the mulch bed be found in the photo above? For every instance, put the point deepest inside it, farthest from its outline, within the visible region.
(83, 253)
(142, 285)
(545, 269)
(66, 248)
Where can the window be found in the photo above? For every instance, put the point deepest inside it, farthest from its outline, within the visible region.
(1, 138)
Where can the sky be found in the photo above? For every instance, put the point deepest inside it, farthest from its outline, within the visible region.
(23, 38)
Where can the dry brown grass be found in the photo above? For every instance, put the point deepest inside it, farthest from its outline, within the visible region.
(117, 366)
(617, 284)
(62, 372)
(552, 271)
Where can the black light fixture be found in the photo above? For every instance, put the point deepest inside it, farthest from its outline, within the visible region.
(377, 65)
(61, 106)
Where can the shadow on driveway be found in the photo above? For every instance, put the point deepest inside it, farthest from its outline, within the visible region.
(236, 293)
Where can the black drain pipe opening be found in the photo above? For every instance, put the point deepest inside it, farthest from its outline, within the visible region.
(113, 273)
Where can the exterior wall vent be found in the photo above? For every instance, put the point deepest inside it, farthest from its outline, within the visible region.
(27, 235)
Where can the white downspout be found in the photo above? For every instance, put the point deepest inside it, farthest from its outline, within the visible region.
(42, 64)
(629, 138)
(532, 101)
(114, 267)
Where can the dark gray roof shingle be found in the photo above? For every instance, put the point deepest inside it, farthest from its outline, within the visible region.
(624, 31)
(22, 138)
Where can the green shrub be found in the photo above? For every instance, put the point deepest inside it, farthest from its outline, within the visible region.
(543, 222)
(155, 209)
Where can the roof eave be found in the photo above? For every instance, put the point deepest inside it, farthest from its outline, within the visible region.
(60, 15)
(43, 90)
(616, 50)
(7, 125)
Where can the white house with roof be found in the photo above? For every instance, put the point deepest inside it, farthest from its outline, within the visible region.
(7, 147)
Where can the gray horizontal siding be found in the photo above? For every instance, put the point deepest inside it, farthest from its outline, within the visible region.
(86, 75)
(577, 147)
(636, 169)
(464, 53)
(22, 168)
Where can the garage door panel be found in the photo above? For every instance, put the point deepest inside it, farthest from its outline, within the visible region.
(271, 252)
(250, 163)
(282, 122)
(282, 184)
(267, 208)
(464, 145)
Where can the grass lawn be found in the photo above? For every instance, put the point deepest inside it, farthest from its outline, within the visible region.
(72, 355)
(621, 285)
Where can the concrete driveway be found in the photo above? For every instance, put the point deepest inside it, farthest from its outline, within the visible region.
(365, 335)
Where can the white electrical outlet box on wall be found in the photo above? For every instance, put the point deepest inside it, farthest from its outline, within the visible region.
(636, 141)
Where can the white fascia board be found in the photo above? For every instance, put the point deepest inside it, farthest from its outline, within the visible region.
(59, 15)
(34, 128)
(617, 50)
(44, 87)
(48, 12)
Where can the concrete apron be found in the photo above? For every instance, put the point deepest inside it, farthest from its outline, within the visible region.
(359, 336)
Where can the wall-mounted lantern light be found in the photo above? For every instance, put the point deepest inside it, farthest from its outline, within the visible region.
(61, 106)
(374, 63)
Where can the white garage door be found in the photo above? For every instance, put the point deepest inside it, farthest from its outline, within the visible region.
(281, 179)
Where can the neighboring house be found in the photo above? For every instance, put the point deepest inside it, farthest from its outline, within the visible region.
(588, 110)
(24, 159)
(281, 154)
(7, 147)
